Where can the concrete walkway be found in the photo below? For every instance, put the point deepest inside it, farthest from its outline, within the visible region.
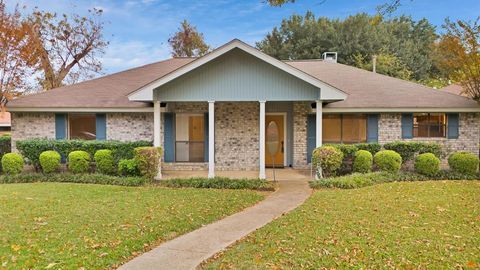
(189, 250)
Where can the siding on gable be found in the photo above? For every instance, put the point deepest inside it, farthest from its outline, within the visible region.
(237, 76)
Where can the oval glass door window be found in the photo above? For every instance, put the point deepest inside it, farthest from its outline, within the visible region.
(273, 140)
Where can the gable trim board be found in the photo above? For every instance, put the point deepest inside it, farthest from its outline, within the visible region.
(327, 92)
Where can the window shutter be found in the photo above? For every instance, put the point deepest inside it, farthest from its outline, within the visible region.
(169, 137)
(372, 127)
(60, 126)
(407, 125)
(205, 144)
(101, 126)
(311, 135)
(452, 125)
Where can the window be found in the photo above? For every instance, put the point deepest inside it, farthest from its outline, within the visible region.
(82, 126)
(189, 138)
(429, 125)
(344, 128)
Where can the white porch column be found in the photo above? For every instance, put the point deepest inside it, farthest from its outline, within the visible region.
(262, 174)
(319, 117)
(157, 120)
(211, 139)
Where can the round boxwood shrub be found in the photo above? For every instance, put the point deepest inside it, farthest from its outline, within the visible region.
(49, 161)
(427, 164)
(328, 158)
(78, 162)
(104, 161)
(363, 161)
(128, 167)
(12, 163)
(463, 162)
(388, 160)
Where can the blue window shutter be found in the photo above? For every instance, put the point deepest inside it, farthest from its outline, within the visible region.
(407, 125)
(452, 125)
(101, 126)
(205, 151)
(169, 137)
(311, 135)
(60, 126)
(372, 128)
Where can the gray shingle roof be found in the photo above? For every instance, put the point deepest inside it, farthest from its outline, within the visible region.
(365, 89)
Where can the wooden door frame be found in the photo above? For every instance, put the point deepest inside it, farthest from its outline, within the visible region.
(285, 148)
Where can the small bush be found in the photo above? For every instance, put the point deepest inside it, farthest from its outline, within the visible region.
(5, 144)
(79, 162)
(427, 164)
(74, 178)
(388, 161)
(128, 167)
(219, 182)
(147, 159)
(463, 162)
(104, 161)
(50, 161)
(363, 161)
(328, 158)
(12, 163)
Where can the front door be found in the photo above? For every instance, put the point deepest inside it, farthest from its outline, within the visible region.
(274, 140)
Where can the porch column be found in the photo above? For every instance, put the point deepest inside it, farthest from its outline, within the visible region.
(157, 120)
(319, 116)
(211, 139)
(262, 174)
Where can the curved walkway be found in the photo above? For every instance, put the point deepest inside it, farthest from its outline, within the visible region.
(189, 250)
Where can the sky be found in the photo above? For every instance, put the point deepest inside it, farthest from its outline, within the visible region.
(138, 30)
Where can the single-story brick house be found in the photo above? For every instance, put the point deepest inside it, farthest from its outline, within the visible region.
(237, 108)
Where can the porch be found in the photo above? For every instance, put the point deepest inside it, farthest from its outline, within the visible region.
(280, 174)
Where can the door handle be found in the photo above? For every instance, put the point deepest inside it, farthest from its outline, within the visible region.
(282, 147)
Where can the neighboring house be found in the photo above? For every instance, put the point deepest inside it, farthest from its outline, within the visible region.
(228, 109)
(5, 123)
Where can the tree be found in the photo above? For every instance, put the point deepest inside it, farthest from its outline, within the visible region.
(306, 37)
(67, 47)
(188, 42)
(459, 54)
(16, 54)
(278, 3)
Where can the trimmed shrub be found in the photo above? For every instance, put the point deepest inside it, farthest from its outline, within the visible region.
(356, 180)
(427, 164)
(104, 161)
(363, 161)
(463, 162)
(219, 182)
(31, 149)
(5, 144)
(128, 167)
(373, 148)
(388, 161)
(12, 163)
(79, 162)
(147, 159)
(328, 158)
(50, 161)
(408, 150)
(74, 178)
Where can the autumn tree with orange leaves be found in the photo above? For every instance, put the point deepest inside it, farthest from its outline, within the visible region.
(188, 42)
(459, 55)
(16, 57)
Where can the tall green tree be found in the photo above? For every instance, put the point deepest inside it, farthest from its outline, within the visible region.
(307, 37)
(188, 42)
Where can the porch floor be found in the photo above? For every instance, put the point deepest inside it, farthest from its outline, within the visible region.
(280, 174)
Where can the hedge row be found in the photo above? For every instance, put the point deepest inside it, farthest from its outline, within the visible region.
(31, 149)
(74, 178)
(358, 180)
(408, 150)
(219, 182)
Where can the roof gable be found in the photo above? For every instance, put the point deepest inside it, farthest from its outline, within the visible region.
(328, 92)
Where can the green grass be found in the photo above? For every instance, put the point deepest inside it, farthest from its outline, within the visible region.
(406, 225)
(82, 226)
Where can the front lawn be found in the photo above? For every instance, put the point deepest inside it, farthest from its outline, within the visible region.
(407, 225)
(80, 226)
